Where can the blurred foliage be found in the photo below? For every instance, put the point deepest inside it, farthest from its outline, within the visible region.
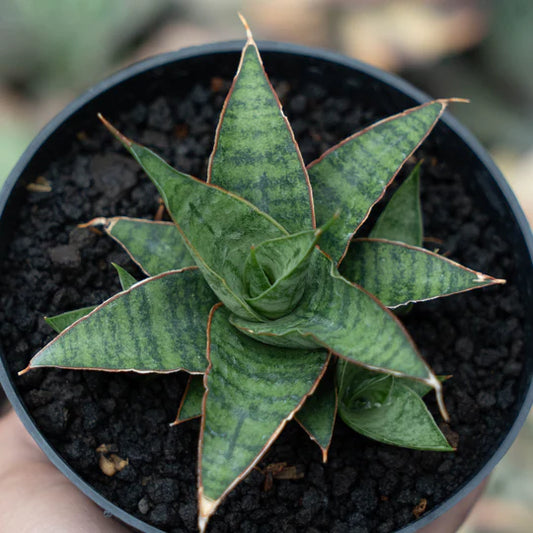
(508, 50)
(477, 49)
(496, 76)
(51, 44)
(14, 137)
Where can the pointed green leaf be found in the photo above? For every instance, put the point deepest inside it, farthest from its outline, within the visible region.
(156, 247)
(352, 176)
(357, 385)
(218, 243)
(126, 279)
(64, 320)
(255, 278)
(341, 317)
(285, 262)
(281, 256)
(317, 416)
(401, 220)
(353, 380)
(158, 325)
(252, 391)
(386, 410)
(255, 153)
(191, 402)
(397, 273)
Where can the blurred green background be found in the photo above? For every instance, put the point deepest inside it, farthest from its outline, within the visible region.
(52, 50)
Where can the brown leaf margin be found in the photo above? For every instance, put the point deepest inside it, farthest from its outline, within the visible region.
(444, 103)
(206, 506)
(97, 308)
(179, 420)
(324, 450)
(431, 381)
(108, 224)
(251, 42)
(483, 279)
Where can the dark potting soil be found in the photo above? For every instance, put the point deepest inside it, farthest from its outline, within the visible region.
(52, 266)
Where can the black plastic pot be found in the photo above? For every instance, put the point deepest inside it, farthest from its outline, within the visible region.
(368, 85)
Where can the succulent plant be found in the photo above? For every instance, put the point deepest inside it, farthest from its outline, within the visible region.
(270, 316)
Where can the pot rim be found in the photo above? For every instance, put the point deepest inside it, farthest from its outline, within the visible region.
(303, 52)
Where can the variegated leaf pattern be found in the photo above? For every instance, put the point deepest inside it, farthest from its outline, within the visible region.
(255, 153)
(158, 325)
(339, 316)
(219, 244)
(352, 176)
(397, 273)
(156, 247)
(318, 414)
(253, 389)
(401, 219)
(386, 409)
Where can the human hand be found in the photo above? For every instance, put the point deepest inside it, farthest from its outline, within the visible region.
(35, 496)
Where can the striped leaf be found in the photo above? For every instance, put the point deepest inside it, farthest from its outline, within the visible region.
(317, 416)
(401, 220)
(252, 391)
(255, 154)
(350, 323)
(387, 410)
(158, 325)
(218, 243)
(352, 176)
(285, 263)
(397, 273)
(255, 278)
(191, 402)
(64, 320)
(156, 247)
(357, 384)
(338, 315)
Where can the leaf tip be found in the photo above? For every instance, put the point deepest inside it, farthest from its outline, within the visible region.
(25, 370)
(206, 508)
(436, 384)
(485, 279)
(98, 221)
(119, 136)
(459, 100)
(454, 100)
(328, 224)
(324, 455)
(249, 36)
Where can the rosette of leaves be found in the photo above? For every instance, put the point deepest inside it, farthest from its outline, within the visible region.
(270, 316)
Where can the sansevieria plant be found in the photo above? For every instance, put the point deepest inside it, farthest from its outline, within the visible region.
(252, 292)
